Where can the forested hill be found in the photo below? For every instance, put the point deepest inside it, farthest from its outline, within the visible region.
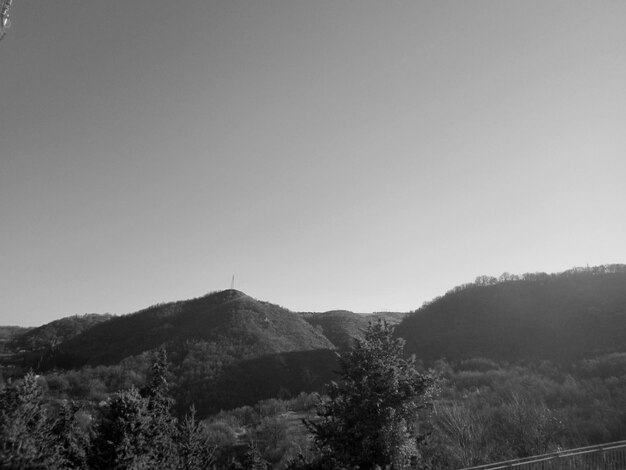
(56, 332)
(578, 313)
(227, 349)
(244, 327)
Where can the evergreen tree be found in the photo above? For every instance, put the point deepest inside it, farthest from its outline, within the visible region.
(194, 449)
(137, 429)
(27, 439)
(161, 428)
(122, 440)
(73, 437)
(371, 417)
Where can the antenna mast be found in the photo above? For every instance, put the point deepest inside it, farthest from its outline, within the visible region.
(5, 22)
(232, 282)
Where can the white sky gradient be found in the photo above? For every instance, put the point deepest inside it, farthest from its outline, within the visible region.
(363, 155)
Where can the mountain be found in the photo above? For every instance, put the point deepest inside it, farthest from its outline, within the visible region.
(227, 349)
(231, 321)
(563, 317)
(341, 327)
(56, 332)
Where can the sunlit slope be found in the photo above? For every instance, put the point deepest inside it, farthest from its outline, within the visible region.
(246, 327)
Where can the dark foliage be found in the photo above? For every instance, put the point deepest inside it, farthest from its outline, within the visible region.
(563, 317)
(56, 332)
(72, 431)
(195, 451)
(229, 320)
(26, 435)
(132, 430)
(490, 411)
(252, 460)
(137, 429)
(371, 417)
(247, 382)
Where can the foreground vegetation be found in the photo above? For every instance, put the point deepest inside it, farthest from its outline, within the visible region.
(369, 419)
(482, 411)
(384, 409)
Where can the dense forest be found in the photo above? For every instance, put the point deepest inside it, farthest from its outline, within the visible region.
(521, 365)
(561, 317)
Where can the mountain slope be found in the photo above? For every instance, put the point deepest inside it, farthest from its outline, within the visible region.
(243, 326)
(560, 317)
(223, 349)
(341, 327)
(56, 332)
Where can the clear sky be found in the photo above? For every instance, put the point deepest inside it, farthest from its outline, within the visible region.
(366, 155)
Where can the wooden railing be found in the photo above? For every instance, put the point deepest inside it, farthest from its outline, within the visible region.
(611, 456)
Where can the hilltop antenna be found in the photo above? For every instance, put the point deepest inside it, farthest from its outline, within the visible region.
(5, 22)
(232, 282)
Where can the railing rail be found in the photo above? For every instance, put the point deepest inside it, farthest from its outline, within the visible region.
(609, 456)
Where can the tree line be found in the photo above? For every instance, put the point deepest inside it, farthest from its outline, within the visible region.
(485, 280)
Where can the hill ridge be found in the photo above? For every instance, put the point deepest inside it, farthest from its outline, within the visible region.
(560, 317)
(226, 317)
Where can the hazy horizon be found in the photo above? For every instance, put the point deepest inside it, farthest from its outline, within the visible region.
(350, 155)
